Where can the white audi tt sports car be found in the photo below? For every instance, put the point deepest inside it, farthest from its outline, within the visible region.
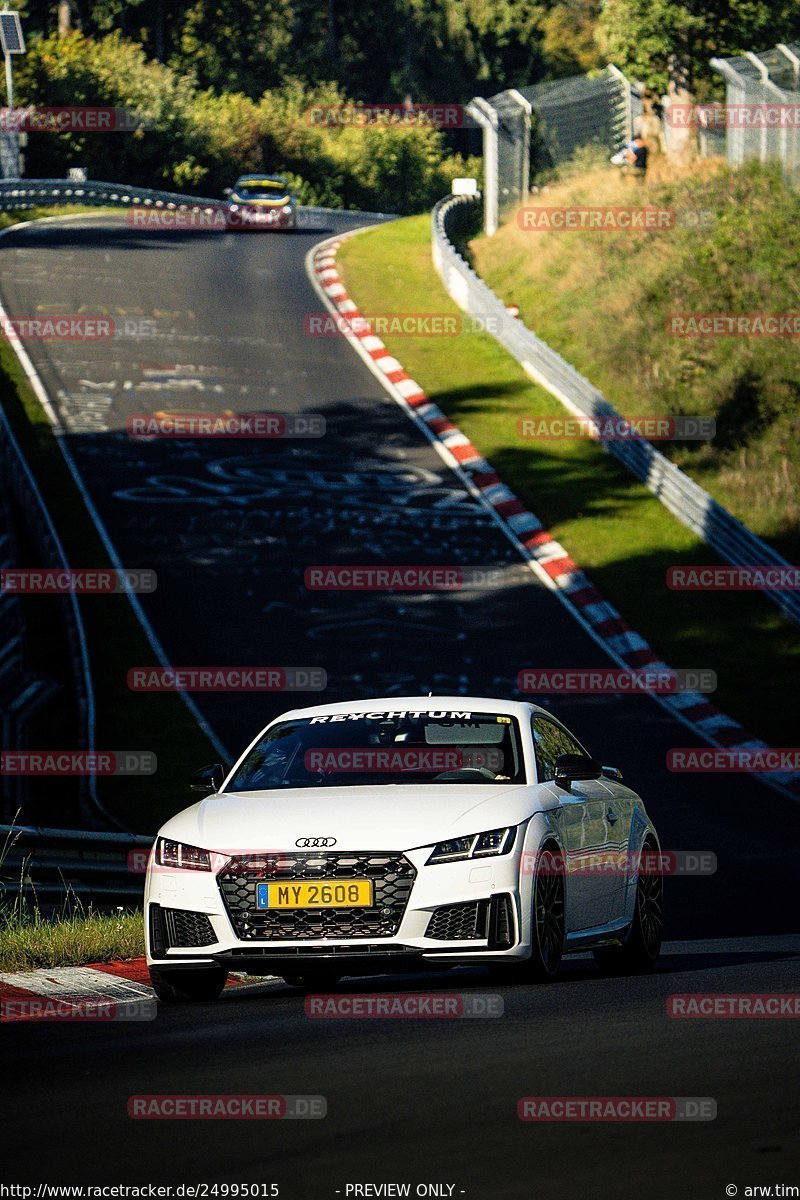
(403, 833)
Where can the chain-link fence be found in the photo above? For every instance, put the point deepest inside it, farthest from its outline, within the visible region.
(581, 111)
(532, 129)
(513, 149)
(761, 115)
(710, 137)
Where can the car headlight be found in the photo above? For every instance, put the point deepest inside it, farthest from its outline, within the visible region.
(475, 845)
(186, 858)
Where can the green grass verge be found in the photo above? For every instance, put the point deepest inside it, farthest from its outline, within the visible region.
(36, 214)
(75, 938)
(613, 527)
(125, 720)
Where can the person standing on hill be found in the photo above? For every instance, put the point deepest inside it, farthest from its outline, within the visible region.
(636, 156)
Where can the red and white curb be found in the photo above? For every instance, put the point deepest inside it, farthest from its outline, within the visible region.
(75, 992)
(546, 557)
(72, 992)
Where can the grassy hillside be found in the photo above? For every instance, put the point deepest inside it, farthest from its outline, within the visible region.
(605, 300)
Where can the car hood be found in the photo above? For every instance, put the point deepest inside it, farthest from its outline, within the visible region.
(391, 817)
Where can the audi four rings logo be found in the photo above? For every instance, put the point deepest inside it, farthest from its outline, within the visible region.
(314, 843)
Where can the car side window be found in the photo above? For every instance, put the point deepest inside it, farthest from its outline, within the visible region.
(550, 741)
(546, 748)
(566, 742)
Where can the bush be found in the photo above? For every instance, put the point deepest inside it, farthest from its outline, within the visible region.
(199, 141)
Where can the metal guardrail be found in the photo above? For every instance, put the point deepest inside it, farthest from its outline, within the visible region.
(50, 864)
(21, 194)
(19, 481)
(684, 498)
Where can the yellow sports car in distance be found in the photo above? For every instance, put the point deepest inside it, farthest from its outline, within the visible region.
(261, 202)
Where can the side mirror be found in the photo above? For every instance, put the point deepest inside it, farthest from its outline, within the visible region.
(573, 768)
(612, 773)
(227, 191)
(208, 779)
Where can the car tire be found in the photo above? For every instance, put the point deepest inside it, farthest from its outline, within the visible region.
(186, 985)
(547, 922)
(547, 926)
(642, 946)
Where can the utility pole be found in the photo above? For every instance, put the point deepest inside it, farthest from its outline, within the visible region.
(13, 43)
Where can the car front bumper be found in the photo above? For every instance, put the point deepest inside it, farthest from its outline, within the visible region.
(454, 913)
(250, 216)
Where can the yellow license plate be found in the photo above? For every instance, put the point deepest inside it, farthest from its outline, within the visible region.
(347, 893)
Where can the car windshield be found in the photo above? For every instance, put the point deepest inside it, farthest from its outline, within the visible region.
(351, 749)
(261, 190)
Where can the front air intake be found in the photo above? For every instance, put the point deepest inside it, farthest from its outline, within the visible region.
(501, 922)
(459, 922)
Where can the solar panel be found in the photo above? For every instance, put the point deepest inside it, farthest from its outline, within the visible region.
(11, 33)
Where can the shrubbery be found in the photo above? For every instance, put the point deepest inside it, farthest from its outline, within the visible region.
(198, 141)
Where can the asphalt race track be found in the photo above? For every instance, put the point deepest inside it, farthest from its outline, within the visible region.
(210, 322)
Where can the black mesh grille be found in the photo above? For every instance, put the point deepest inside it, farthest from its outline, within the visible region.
(393, 876)
(188, 928)
(459, 922)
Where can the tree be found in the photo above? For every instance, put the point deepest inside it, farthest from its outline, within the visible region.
(668, 44)
(64, 17)
(240, 47)
(569, 43)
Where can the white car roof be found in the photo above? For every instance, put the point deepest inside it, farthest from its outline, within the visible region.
(398, 704)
